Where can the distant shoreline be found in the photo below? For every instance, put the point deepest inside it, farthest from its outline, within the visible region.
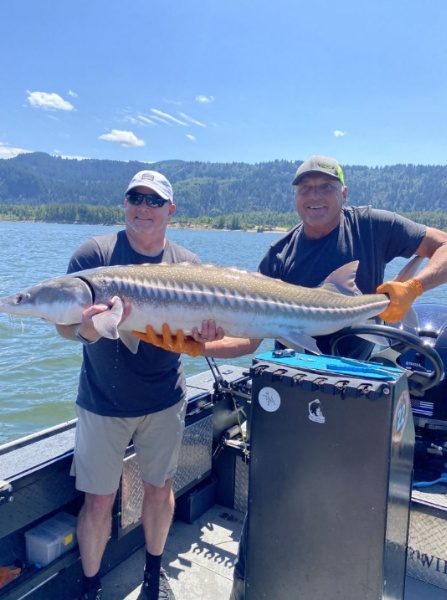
(248, 230)
(170, 226)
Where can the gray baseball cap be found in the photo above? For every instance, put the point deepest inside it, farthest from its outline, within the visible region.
(319, 164)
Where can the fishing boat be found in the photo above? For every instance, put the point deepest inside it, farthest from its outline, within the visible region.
(339, 463)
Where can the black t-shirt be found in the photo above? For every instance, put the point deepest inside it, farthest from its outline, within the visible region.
(113, 381)
(371, 236)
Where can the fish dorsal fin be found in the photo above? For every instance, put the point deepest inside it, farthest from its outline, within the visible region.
(106, 323)
(342, 280)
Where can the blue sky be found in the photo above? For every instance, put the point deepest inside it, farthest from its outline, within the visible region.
(223, 81)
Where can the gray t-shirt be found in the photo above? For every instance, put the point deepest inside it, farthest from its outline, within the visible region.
(371, 236)
(113, 381)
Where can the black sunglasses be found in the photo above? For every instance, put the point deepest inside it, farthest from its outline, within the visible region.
(152, 200)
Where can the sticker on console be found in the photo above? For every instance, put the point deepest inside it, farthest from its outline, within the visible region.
(269, 399)
(401, 416)
(315, 412)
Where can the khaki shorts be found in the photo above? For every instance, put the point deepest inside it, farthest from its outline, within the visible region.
(101, 443)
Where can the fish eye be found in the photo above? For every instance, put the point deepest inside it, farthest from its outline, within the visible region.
(21, 297)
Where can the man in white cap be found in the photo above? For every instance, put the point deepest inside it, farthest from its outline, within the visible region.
(124, 396)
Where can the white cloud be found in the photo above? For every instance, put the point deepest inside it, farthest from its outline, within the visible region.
(338, 133)
(57, 153)
(164, 115)
(205, 99)
(48, 101)
(72, 94)
(160, 120)
(145, 120)
(124, 138)
(9, 152)
(191, 137)
(130, 119)
(137, 118)
(191, 120)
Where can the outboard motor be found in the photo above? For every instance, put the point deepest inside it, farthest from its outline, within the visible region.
(429, 410)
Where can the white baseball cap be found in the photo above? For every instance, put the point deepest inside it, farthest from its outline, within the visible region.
(153, 180)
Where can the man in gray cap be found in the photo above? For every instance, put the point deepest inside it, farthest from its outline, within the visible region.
(330, 235)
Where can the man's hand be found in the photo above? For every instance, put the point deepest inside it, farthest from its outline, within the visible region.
(173, 343)
(402, 296)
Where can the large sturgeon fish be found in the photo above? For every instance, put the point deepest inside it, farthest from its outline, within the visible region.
(245, 304)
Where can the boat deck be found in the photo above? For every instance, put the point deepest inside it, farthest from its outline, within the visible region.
(198, 556)
(199, 560)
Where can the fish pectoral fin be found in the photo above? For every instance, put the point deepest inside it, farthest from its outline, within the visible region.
(300, 341)
(377, 340)
(410, 269)
(411, 319)
(130, 341)
(106, 323)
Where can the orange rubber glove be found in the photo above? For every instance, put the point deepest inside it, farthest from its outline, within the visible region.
(8, 574)
(402, 296)
(173, 343)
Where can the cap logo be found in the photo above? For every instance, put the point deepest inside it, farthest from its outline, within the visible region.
(148, 176)
(340, 175)
(331, 168)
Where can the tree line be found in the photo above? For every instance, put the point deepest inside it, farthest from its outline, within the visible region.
(251, 220)
(41, 187)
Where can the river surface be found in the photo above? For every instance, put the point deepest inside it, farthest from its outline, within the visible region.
(38, 368)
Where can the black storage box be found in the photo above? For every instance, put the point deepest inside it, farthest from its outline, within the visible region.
(329, 481)
(193, 504)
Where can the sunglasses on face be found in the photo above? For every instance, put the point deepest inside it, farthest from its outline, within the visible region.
(152, 200)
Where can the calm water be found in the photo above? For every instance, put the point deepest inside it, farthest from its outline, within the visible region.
(38, 368)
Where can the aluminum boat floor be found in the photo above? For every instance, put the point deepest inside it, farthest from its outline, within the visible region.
(199, 559)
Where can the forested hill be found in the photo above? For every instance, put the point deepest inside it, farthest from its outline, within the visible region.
(205, 189)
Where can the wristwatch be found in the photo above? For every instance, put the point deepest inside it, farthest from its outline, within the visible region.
(81, 338)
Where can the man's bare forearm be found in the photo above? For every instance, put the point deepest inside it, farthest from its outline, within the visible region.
(231, 347)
